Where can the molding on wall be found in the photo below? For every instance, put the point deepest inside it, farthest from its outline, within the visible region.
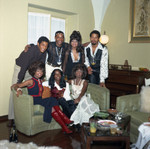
(3, 118)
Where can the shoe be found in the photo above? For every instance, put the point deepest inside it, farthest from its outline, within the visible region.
(58, 119)
(77, 127)
(63, 116)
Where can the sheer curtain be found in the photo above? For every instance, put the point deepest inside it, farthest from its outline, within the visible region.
(99, 8)
(38, 25)
(57, 24)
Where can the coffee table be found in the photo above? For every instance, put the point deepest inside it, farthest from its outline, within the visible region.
(88, 138)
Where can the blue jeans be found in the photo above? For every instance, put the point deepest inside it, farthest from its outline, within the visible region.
(94, 78)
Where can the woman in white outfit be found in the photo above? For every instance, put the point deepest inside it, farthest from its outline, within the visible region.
(85, 105)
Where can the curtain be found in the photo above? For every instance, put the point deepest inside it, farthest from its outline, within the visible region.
(99, 8)
(57, 24)
(38, 25)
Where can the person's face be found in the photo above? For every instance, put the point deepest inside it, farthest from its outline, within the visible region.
(57, 76)
(59, 38)
(94, 39)
(79, 73)
(43, 46)
(74, 43)
(38, 74)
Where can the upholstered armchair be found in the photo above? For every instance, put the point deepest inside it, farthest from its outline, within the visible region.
(29, 117)
(130, 104)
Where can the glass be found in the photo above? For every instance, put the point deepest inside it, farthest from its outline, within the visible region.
(113, 129)
(93, 126)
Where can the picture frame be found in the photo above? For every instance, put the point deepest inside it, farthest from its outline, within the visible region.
(139, 24)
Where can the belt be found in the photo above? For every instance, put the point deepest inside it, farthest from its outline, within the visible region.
(53, 64)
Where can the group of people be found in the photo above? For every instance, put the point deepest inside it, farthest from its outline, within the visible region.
(68, 67)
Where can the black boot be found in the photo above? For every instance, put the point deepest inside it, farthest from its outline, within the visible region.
(77, 127)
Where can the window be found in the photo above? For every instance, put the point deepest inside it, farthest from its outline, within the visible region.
(57, 25)
(39, 25)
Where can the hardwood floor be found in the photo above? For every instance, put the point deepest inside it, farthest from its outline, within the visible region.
(53, 138)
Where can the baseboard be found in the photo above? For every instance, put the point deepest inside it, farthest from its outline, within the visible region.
(3, 118)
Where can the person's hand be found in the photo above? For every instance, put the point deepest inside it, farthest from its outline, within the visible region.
(89, 70)
(14, 86)
(18, 92)
(27, 48)
(76, 101)
(102, 84)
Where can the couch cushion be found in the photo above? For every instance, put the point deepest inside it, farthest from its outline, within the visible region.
(138, 117)
(145, 99)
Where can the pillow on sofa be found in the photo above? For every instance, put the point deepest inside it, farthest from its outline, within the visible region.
(145, 99)
(46, 92)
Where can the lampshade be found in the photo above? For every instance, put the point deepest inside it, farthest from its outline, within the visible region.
(104, 39)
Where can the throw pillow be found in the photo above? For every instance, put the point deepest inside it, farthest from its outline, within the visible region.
(145, 99)
(46, 92)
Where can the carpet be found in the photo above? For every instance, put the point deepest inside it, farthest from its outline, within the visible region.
(5, 144)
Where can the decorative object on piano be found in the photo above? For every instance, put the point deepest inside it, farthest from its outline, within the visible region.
(119, 67)
(126, 66)
(143, 69)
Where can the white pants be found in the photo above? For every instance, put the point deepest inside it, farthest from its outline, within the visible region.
(14, 80)
(49, 70)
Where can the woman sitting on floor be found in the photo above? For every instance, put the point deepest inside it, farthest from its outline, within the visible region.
(35, 89)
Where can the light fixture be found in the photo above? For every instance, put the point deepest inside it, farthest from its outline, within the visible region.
(104, 39)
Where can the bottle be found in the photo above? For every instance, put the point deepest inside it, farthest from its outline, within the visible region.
(13, 135)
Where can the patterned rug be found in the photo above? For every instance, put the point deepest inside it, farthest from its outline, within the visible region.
(5, 144)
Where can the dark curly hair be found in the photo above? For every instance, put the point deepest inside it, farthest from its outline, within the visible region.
(77, 36)
(43, 38)
(59, 32)
(81, 67)
(95, 32)
(52, 79)
(36, 65)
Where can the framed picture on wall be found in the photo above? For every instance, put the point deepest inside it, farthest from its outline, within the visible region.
(139, 29)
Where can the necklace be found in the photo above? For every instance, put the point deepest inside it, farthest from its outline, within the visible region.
(79, 83)
(59, 52)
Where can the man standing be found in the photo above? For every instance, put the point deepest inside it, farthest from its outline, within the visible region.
(96, 60)
(35, 53)
(56, 53)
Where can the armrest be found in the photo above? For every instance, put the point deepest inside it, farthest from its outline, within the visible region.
(100, 95)
(128, 103)
(23, 108)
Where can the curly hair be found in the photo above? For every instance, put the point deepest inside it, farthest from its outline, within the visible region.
(43, 38)
(52, 79)
(36, 65)
(81, 67)
(77, 36)
(59, 32)
(95, 32)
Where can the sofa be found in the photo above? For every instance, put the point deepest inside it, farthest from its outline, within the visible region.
(130, 104)
(29, 117)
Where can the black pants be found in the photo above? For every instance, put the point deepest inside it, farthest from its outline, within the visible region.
(47, 103)
(67, 106)
(94, 78)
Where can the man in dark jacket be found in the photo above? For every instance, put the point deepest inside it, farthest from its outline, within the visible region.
(35, 53)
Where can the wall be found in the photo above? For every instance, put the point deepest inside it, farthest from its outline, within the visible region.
(13, 33)
(116, 25)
